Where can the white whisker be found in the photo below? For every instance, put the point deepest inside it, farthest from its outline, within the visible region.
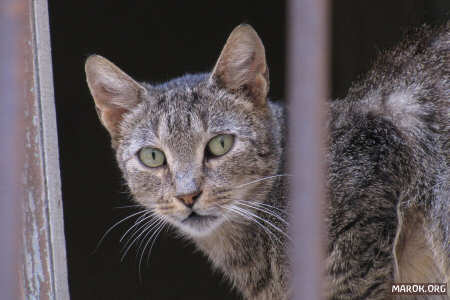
(261, 179)
(154, 240)
(152, 237)
(147, 228)
(264, 210)
(141, 219)
(244, 215)
(129, 206)
(267, 222)
(270, 206)
(115, 225)
(150, 229)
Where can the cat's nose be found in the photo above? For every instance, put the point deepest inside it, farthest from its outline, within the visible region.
(189, 199)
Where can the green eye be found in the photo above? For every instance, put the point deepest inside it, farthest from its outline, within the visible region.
(221, 144)
(151, 157)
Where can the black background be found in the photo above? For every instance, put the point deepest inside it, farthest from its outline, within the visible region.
(155, 41)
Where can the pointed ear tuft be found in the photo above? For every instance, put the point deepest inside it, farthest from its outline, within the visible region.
(114, 92)
(242, 65)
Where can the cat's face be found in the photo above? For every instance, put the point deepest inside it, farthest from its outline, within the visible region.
(192, 148)
(191, 152)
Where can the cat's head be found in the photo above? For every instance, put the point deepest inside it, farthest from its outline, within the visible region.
(191, 148)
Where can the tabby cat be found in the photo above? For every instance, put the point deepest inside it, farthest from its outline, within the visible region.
(205, 153)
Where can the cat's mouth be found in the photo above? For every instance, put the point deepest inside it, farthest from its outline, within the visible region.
(199, 225)
(194, 219)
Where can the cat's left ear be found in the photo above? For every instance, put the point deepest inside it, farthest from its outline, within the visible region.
(242, 65)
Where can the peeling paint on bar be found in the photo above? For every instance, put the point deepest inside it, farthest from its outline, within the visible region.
(44, 256)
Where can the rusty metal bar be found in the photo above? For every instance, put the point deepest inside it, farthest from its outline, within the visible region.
(44, 271)
(307, 91)
(11, 24)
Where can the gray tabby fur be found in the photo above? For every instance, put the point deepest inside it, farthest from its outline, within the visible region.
(388, 156)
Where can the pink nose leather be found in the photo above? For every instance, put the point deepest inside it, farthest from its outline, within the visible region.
(189, 199)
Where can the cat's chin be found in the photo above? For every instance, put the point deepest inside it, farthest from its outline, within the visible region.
(197, 225)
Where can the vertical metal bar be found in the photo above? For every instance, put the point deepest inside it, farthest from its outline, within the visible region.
(44, 272)
(11, 24)
(307, 92)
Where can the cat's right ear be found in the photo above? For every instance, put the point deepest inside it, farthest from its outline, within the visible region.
(242, 65)
(114, 92)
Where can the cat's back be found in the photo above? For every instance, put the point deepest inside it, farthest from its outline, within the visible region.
(408, 89)
(420, 61)
(389, 183)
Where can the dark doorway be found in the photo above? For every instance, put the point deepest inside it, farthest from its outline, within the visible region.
(155, 41)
